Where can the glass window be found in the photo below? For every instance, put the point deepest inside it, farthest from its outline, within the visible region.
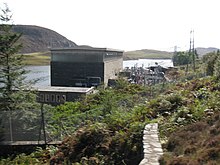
(41, 97)
(63, 99)
(57, 98)
(53, 98)
(47, 97)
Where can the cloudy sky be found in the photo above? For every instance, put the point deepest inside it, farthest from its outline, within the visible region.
(125, 24)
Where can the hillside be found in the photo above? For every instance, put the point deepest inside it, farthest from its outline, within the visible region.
(107, 127)
(202, 51)
(149, 53)
(146, 53)
(39, 39)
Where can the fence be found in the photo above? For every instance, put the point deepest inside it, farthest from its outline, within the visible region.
(38, 127)
(23, 125)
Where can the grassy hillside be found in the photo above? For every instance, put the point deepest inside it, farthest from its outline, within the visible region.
(39, 58)
(43, 58)
(112, 123)
(202, 51)
(147, 53)
(192, 128)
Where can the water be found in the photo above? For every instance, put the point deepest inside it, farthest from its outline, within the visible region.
(148, 62)
(39, 72)
(43, 72)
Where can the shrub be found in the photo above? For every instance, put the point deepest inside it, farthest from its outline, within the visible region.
(86, 142)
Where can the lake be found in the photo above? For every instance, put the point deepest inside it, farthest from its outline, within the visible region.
(148, 62)
(43, 72)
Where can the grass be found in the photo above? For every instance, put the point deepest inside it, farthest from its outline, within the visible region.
(38, 58)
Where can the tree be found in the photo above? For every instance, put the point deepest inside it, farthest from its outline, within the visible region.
(17, 101)
(217, 65)
(210, 59)
(180, 58)
(196, 54)
(13, 88)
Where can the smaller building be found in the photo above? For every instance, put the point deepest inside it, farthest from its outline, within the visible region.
(58, 95)
(84, 66)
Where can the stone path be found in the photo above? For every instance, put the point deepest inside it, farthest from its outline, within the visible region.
(152, 146)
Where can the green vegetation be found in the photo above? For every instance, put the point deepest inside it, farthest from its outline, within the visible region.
(195, 144)
(107, 127)
(17, 102)
(110, 129)
(38, 58)
(193, 129)
(217, 65)
(13, 88)
(181, 58)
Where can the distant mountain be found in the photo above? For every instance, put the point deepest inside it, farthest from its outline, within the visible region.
(39, 39)
(156, 54)
(202, 51)
(147, 53)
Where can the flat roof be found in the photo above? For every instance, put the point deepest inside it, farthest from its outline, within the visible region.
(18, 143)
(87, 48)
(64, 89)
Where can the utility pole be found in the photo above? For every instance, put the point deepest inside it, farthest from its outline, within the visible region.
(42, 126)
(189, 54)
(193, 53)
(175, 51)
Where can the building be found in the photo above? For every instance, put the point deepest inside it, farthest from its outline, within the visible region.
(58, 95)
(84, 66)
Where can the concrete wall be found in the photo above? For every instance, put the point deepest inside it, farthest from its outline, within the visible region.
(56, 98)
(112, 68)
(152, 146)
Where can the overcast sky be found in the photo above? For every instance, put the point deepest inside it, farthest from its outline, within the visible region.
(125, 24)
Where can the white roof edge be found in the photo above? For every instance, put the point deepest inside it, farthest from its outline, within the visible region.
(85, 48)
(64, 89)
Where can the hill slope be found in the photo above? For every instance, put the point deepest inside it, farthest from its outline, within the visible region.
(39, 39)
(149, 53)
(146, 53)
(202, 51)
